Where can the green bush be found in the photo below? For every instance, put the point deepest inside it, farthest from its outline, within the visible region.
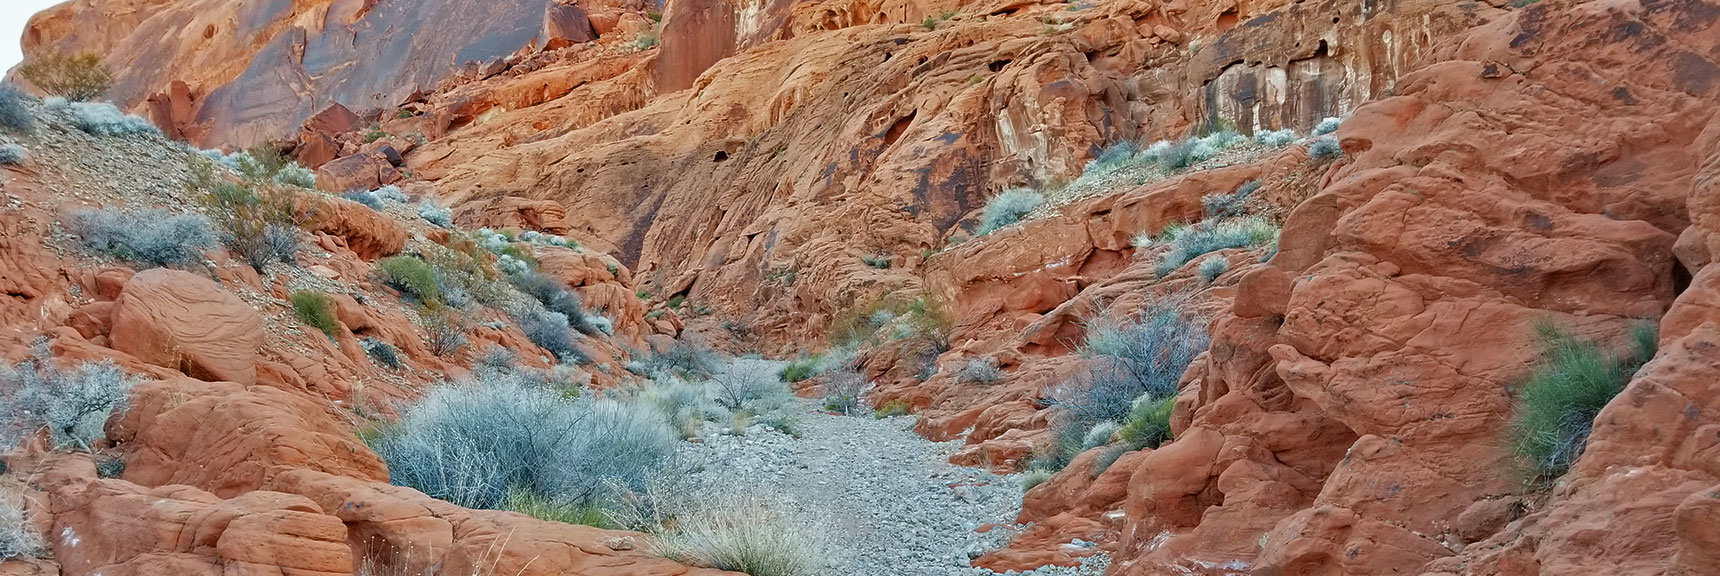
(413, 277)
(541, 507)
(1033, 477)
(1570, 385)
(75, 77)
(1232, 204)
(1008, 208)
(1149, 422)
(802, 369)
(245, 216)
(316, 310)
(893, 407)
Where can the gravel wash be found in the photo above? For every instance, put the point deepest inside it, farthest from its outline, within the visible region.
(890, 500)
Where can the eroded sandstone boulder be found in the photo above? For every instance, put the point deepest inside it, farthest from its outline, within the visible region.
(186, 322)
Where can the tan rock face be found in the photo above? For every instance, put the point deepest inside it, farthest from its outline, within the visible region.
(238, 74)
(185, 322)
(306, 522)
(230, 439)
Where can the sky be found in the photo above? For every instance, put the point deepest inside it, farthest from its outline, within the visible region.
(13, 15)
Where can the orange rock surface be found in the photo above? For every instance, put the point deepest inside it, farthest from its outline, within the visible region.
(1504, 164)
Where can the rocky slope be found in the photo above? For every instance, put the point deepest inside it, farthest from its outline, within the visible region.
(240, 450)
(1503, 164)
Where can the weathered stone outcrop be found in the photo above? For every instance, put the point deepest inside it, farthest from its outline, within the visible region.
(240, 73)
(183, 321)
(307, 522)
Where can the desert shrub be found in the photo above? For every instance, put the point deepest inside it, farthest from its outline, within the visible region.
(1146, 353)
(1213, 267)
(73, 406)
(103, 119)
(1111, 158)
(445, 334)
(684, 405)
(926, 321)
(1190, 242)
(108, 466)
(1232, 204)
(382, 352)
(893, 407)
(549, 331)
(843, 390)
(1325, 148)
(1007, 208)
(18, 537)
(1033, 477)
(555, 297)
(1327, 126)
(413, 277)
(1275, 138)
(565, 511)
(75, 77)
(470, 443)
(1570, 385)
(244, 216)
(13, 154)
(687, 358)
(602, 324)
(732, 528)
(152, 237)
(1172, 156)
(316, 310)
(390, 192)
(281, 243)
(879, 261)
(1068, 432)
(295, 175)
(435, 214)
(1131, 361)
(1100, 434)
(1149, 422)
(15, 112)
(746, 382)
(981, 370)
(1221, 139)
(802, 369)
(753, 389)
(365, 197)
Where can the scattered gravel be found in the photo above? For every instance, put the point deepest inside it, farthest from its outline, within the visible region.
(894, 504)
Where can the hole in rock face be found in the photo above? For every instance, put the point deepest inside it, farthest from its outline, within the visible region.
(896, 130)
(997, 65)
(1681, 277)
(208, 31)
(1227, 20)
(721, 156)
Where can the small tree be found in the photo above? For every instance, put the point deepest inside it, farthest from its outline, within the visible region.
(79, 78)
